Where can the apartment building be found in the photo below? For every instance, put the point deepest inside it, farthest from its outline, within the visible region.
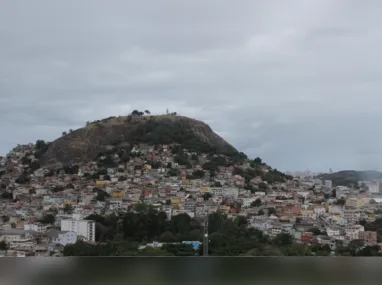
(353, 231)
(83, 228)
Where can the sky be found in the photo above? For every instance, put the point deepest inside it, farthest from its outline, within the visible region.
(297, 83)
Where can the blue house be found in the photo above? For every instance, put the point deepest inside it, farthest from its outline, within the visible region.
(195, 244)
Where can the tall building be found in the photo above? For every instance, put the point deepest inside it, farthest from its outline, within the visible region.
(328, 183)
(83, 228)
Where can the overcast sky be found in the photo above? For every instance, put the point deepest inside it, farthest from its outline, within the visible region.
(298, 83)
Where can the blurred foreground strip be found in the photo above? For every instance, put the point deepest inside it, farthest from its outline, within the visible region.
(193, 270)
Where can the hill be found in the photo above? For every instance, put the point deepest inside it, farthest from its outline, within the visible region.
(350, 177)
(85, 144)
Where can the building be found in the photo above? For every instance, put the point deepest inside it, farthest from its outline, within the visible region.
(64, 238)
(351, 216)
(353, 231)
(36, 227)
(369, 237)
(83, 228)
(332, 231)
(306, 237)
(373, 187)
(354, 203)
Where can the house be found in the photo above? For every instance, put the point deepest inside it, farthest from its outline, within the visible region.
(18, 239)
(332, 231)
(306, 237)
(351, 216)
(36, 227)
(369, 237)
(62, 237)
(353, 231)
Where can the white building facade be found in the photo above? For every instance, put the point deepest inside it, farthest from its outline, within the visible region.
(36, 227)
(83, 228)
(65, 238)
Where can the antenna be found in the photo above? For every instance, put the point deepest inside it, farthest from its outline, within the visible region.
(167, 111)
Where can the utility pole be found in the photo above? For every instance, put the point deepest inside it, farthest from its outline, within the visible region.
(205, 236)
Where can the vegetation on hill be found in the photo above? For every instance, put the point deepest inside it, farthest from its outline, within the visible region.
(121, 235)
(86, 143)
(350, 177)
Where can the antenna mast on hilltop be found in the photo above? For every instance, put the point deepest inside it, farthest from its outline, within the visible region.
(167, 111)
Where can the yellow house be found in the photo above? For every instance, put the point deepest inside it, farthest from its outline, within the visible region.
(175, 200)
(371, 218)
(100, 182)
(67, 202)
(117, 194)
(336, 218)
(147, 166)
(204, 189)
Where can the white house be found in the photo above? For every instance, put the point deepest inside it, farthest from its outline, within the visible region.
(332, 232)
(64, 238)
(36, 227)
(353, 231)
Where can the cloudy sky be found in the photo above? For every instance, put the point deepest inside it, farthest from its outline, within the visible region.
(298, 83)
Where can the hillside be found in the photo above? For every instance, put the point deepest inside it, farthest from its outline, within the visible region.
(350, 177)
(86, 143)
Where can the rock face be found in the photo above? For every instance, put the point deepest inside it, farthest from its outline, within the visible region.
(87, 143)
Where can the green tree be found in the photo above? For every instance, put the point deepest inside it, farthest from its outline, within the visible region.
(271, 211)
(257, 160)
(68, 209)
(195, 235)
(6, 195)
(141, 208)
(263, 186)
(283, 239)
(341, 202)
(369, 251)
(102, 195)
(173, 172)
(180, 249)
(256, 203)
(215, 222)
(167, 237)
(181, 223)
(47, 219)
(315, 231)
(297, 250)
(198, 173)
(207, 196)
(3, 245)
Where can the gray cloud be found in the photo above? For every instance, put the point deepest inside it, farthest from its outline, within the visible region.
(296, 83)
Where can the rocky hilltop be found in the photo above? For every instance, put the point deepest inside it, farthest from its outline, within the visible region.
(85, 144)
